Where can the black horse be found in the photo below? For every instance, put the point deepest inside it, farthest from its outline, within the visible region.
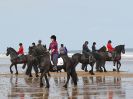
(44, 63)
(97, 57)
(81, 58)
(116, 55)
(31, 63)
(15, 59)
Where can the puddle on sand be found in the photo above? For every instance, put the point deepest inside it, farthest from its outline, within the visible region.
(16, 87)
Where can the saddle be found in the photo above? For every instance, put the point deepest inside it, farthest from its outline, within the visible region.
(21, 58)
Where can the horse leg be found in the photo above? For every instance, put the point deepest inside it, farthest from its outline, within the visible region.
(16, 69)
(36, 70)
(46, 78)
(83, 66)
(114, 69)
(49, 74)
(41, 82)
(104, 66)
(119, 65)
(86, 68)
(91, 71)
(68, 78)
(74, 77)
(23, 67)
(11, 69)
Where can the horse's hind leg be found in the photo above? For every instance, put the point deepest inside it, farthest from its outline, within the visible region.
(91, 71)
(46, 78)
(41, 82)
(49, 74)
(16, 69)
(11, 69)
(36, 70)
(119, 65)
(68, 78)
(23, 67)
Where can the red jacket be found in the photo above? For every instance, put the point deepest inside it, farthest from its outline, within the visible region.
(54, 47)
(109, 47)
(21, 51)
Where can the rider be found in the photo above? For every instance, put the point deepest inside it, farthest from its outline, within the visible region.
(110, 48)
(20, 51)
(33, 45)
(63, 50)
(41, 47)
(53, 47)
(94, 47)
(85, 49)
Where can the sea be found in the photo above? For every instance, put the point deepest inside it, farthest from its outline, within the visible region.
(127, 62)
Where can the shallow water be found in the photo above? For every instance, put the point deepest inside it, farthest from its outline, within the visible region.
(21, 87)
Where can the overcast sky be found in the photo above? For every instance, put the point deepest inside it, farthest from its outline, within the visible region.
(72, 21)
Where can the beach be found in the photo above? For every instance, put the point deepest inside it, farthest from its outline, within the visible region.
(106, 85)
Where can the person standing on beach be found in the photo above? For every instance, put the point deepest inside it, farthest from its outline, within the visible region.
(53, 47)
(94, 47)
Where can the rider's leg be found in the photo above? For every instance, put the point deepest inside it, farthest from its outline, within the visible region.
(55, 61)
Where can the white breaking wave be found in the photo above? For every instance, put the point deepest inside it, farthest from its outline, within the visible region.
(126, 55)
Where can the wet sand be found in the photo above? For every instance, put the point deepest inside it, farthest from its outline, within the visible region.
(110, 85)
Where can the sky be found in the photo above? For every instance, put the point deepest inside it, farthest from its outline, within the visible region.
(72, 21)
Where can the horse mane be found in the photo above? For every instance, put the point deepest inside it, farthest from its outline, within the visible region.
(13, 50)
(102, 49)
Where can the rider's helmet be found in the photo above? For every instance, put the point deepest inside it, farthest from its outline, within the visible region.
(109, 41)
(20, 44)
(94, 43)
(53, 37)
(39, 41)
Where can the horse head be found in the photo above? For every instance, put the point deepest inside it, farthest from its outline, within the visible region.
(11, 51)
(120, 49)
(7, 51)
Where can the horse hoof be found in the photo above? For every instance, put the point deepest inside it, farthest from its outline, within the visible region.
(47, 87)
(65, 86)
(105, 70)
(30, 76)
(114, 69)
(86, 70)
(92, 74)
(41, 84)
(11, 72)
(37, 75)
(16, 73)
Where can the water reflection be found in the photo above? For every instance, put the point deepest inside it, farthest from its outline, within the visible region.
(100, 87)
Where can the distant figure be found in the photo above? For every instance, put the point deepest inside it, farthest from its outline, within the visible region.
(33, 45)
(94, 47)
(63, 50)
(53, 47)
(21, 50)
(85, 49)
(41, 47)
